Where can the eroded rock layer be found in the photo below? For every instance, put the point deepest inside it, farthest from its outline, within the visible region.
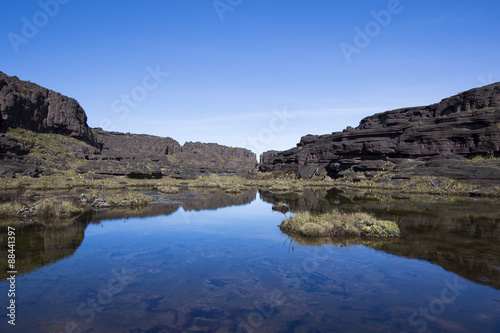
(457, 128)
(30, 106)
(42, 132)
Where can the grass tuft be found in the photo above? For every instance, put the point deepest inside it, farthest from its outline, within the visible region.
(338, 223)
(55, 207)
(10, 208)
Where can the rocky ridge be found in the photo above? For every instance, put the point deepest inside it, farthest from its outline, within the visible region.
(147, 156)
(434, 140)
(42, 132)
(30, 106)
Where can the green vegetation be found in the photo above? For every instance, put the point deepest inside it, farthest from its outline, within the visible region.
(489, 157)
(53, 207)
(10, 208)
(413, 185)
(103, 198)
(70, 179)
(49, 207)
(338, 223)
(167, 189)
(29, 139)
(234, 184)
(49, 146)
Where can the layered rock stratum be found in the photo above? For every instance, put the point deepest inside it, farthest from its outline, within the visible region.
(30, 106)
(441, 139)
(42, 132)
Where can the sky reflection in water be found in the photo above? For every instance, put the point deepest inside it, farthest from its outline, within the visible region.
(232, 269)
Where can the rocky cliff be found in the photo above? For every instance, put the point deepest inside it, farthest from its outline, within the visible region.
(30, 106)
(117, 144)
(42, 132)
(147, 156)
(418, 138)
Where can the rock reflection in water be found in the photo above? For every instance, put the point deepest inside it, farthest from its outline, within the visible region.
(461, 235)
(40, 242)
(231, 268)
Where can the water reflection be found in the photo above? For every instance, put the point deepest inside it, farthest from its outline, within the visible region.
(461, 235)
(232, 268)
(41, 242)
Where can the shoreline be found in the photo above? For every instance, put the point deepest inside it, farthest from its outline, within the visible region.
(68, 197)
(234, 184)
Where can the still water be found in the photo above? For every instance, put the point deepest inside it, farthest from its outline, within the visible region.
(219, 263)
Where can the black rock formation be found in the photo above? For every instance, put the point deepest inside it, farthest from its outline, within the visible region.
(147, 156)
(30, 106)
(27, 106)
(117, 144)
(459, 127)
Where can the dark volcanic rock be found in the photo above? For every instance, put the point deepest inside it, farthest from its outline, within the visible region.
(30, 106)
(147, 156)
(10, 145)
(38, 110)
(212, 154)
(127, 145)
(9, 171)
(465, 125)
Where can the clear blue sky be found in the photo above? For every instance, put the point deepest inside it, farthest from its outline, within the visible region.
(232, 64)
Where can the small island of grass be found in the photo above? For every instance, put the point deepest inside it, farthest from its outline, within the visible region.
(337, 224)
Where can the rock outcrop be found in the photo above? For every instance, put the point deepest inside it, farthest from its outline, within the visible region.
(36, 122)
(30, 106)
(147, 156)
(463, 126)
(127, 144)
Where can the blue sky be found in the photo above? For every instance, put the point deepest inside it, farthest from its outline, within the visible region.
(253, 73)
